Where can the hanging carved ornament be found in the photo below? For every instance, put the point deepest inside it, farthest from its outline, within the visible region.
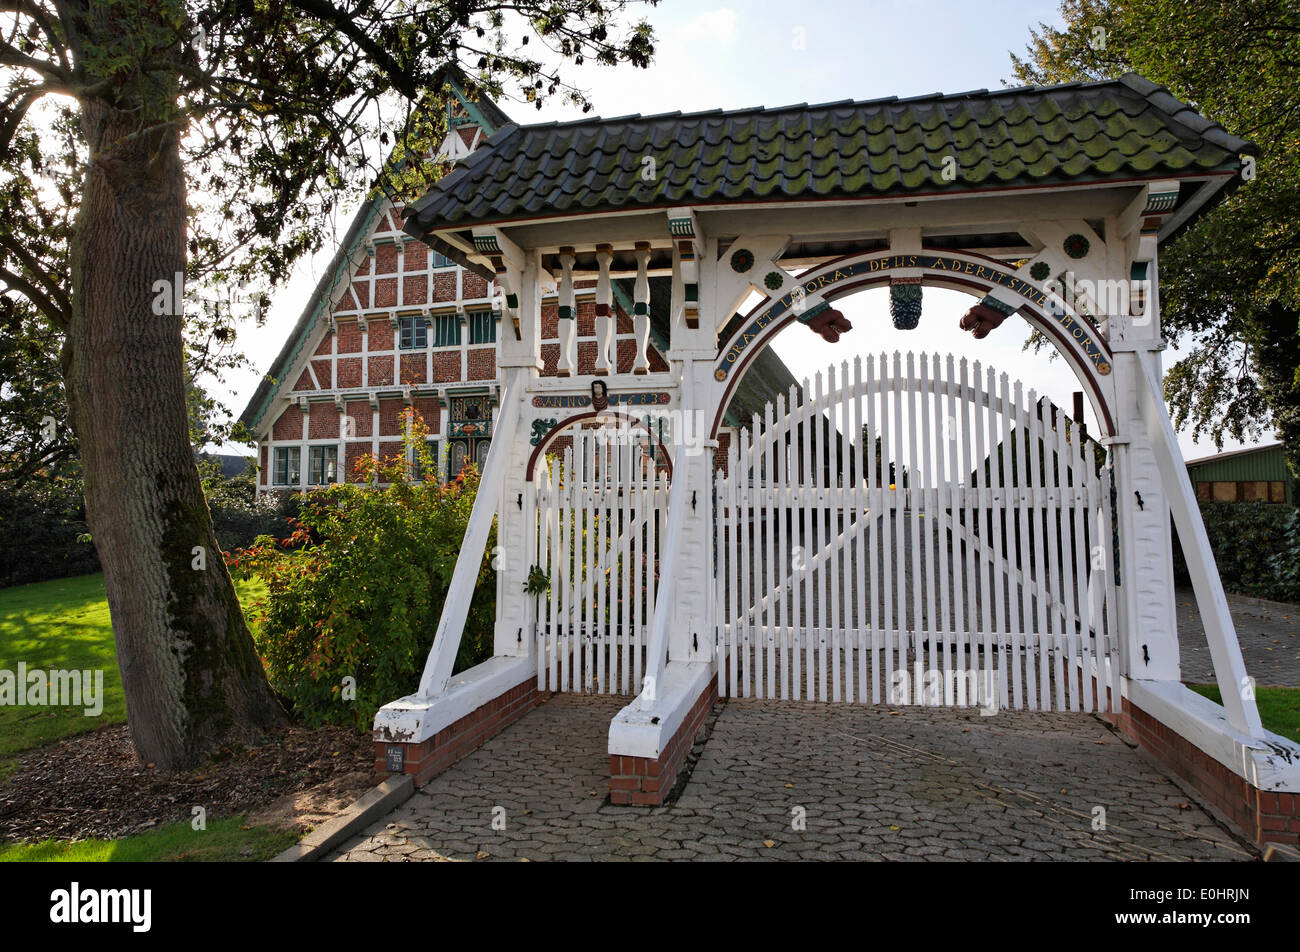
(1040, 271)
(742, 259)
(986, 316)
(827, 322)
(905, 305)
(1077, 246)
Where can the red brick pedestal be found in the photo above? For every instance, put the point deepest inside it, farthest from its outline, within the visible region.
(646, 781)
(1266, 817)
(428, 758)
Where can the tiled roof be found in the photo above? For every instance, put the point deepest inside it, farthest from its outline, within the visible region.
(1118, 129)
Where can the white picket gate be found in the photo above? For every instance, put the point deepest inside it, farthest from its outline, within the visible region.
(600, 515)
(984, 574)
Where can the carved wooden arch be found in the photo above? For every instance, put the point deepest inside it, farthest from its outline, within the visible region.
(556, 431)
(1073, 337)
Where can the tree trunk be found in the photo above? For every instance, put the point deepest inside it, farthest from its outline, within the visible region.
(190, 671)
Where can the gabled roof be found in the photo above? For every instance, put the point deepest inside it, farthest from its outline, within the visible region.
(485, 113)
(1232, 454)
(1122, 129)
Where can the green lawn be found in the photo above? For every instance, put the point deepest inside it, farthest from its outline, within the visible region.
(223, 841)
(63, 624)
(1279, 708)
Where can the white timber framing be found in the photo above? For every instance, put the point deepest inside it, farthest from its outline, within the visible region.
(1113, 351)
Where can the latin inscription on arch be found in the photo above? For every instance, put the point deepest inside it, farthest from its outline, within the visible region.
(1080, 332)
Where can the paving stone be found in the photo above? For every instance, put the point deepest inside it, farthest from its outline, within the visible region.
(956, 786)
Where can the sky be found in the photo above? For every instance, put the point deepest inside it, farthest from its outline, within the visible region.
(737, 54)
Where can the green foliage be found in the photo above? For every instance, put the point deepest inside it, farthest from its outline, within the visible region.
(1230, 287)
(43, 531)
(357, 589)
(41, 522)
(227, 840)
(1256, 546)
(64, 624)
(1279, 708)
(538, 582)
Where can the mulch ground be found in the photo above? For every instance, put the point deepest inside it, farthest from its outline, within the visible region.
(92, 785)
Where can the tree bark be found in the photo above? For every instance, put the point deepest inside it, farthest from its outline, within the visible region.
(190, 671)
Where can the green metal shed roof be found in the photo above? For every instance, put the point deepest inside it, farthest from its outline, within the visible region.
(1254, 463)
(1128, 128)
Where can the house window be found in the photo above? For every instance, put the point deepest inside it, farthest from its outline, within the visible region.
(413, 332)
(441, 261)
(324, 465)
(288, 465)
(446, 330)
(417, 464)
(482, 328)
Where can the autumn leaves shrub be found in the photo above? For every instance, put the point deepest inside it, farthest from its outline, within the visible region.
(355, 591)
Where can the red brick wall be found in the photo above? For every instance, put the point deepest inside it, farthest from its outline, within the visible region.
(304, 382)
(361, 293)
(289, 426)
(417, 258)
(1267, 817)
(724, 447)
(427, 759)
(349, 372)
(415, 289)
(550, 359)
(385, 295)
(352, 453)
(482, 363)
(323, 349)
(473, 286)
(550, 322)
(391, 451)
(385, 259)
(390, 417)
(359, 410)
(349, 335)
(322, 369)
(323, 421)
(444, 286)
(430, 412)
(642, 781)
(381, 371)
(413, 368)
(381, 334)
(446, 366)
(586, 318)
(264, 475)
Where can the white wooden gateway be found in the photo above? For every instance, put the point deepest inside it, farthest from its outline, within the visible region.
(903, 529)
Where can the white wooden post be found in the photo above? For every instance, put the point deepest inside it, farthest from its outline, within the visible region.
(568, 320)
(605, 358)
(451, 624)
(641, 309)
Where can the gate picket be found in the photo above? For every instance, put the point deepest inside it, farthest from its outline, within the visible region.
(986, 564)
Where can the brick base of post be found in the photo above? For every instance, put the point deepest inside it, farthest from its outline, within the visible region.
(646, 781)
(1265, 817)
(428, 758)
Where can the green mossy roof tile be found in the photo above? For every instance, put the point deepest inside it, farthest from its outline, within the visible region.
(1118, 129)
